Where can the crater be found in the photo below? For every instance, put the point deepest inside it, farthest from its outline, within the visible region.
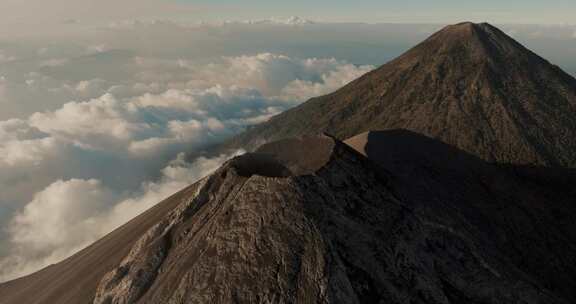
(289, 157)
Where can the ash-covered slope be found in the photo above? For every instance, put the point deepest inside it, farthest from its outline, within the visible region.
(469, 85)
(311, 220)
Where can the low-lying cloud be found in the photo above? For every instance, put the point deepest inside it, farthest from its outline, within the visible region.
(88, 166)
(68, 215)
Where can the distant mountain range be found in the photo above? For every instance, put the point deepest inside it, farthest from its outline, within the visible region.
(463, 194)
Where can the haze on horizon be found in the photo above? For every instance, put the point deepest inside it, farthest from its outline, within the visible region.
(100, 98)
(36, 16)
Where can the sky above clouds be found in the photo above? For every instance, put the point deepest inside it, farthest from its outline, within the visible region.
(101, 99)
(410, 11)
(41, 16)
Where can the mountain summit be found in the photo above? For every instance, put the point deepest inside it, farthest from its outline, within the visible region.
(469, 85)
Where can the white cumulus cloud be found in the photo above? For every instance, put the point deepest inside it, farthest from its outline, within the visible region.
(75, 172)
(68, 215)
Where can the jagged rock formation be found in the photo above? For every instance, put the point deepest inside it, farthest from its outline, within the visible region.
(469, 85)
(406, 219)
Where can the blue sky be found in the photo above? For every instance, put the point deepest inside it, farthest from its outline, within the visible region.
(409, 11)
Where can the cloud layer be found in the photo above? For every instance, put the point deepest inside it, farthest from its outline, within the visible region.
(88, 166)
(68, 215)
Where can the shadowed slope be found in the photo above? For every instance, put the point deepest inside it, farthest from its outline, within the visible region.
(522, 212)
(469, 85)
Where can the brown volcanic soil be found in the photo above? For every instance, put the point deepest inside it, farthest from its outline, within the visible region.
(469, 85)
(415, 221)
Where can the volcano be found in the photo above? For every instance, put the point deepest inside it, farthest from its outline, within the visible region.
(468, 85)
(390, 217)
(453, 185)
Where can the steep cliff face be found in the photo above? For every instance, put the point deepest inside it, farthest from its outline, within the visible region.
(311, 220)
(469, 85)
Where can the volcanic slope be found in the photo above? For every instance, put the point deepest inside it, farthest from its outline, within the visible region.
(402, 219)
(469, 85)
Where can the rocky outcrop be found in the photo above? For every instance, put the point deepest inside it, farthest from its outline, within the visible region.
(130, 280)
